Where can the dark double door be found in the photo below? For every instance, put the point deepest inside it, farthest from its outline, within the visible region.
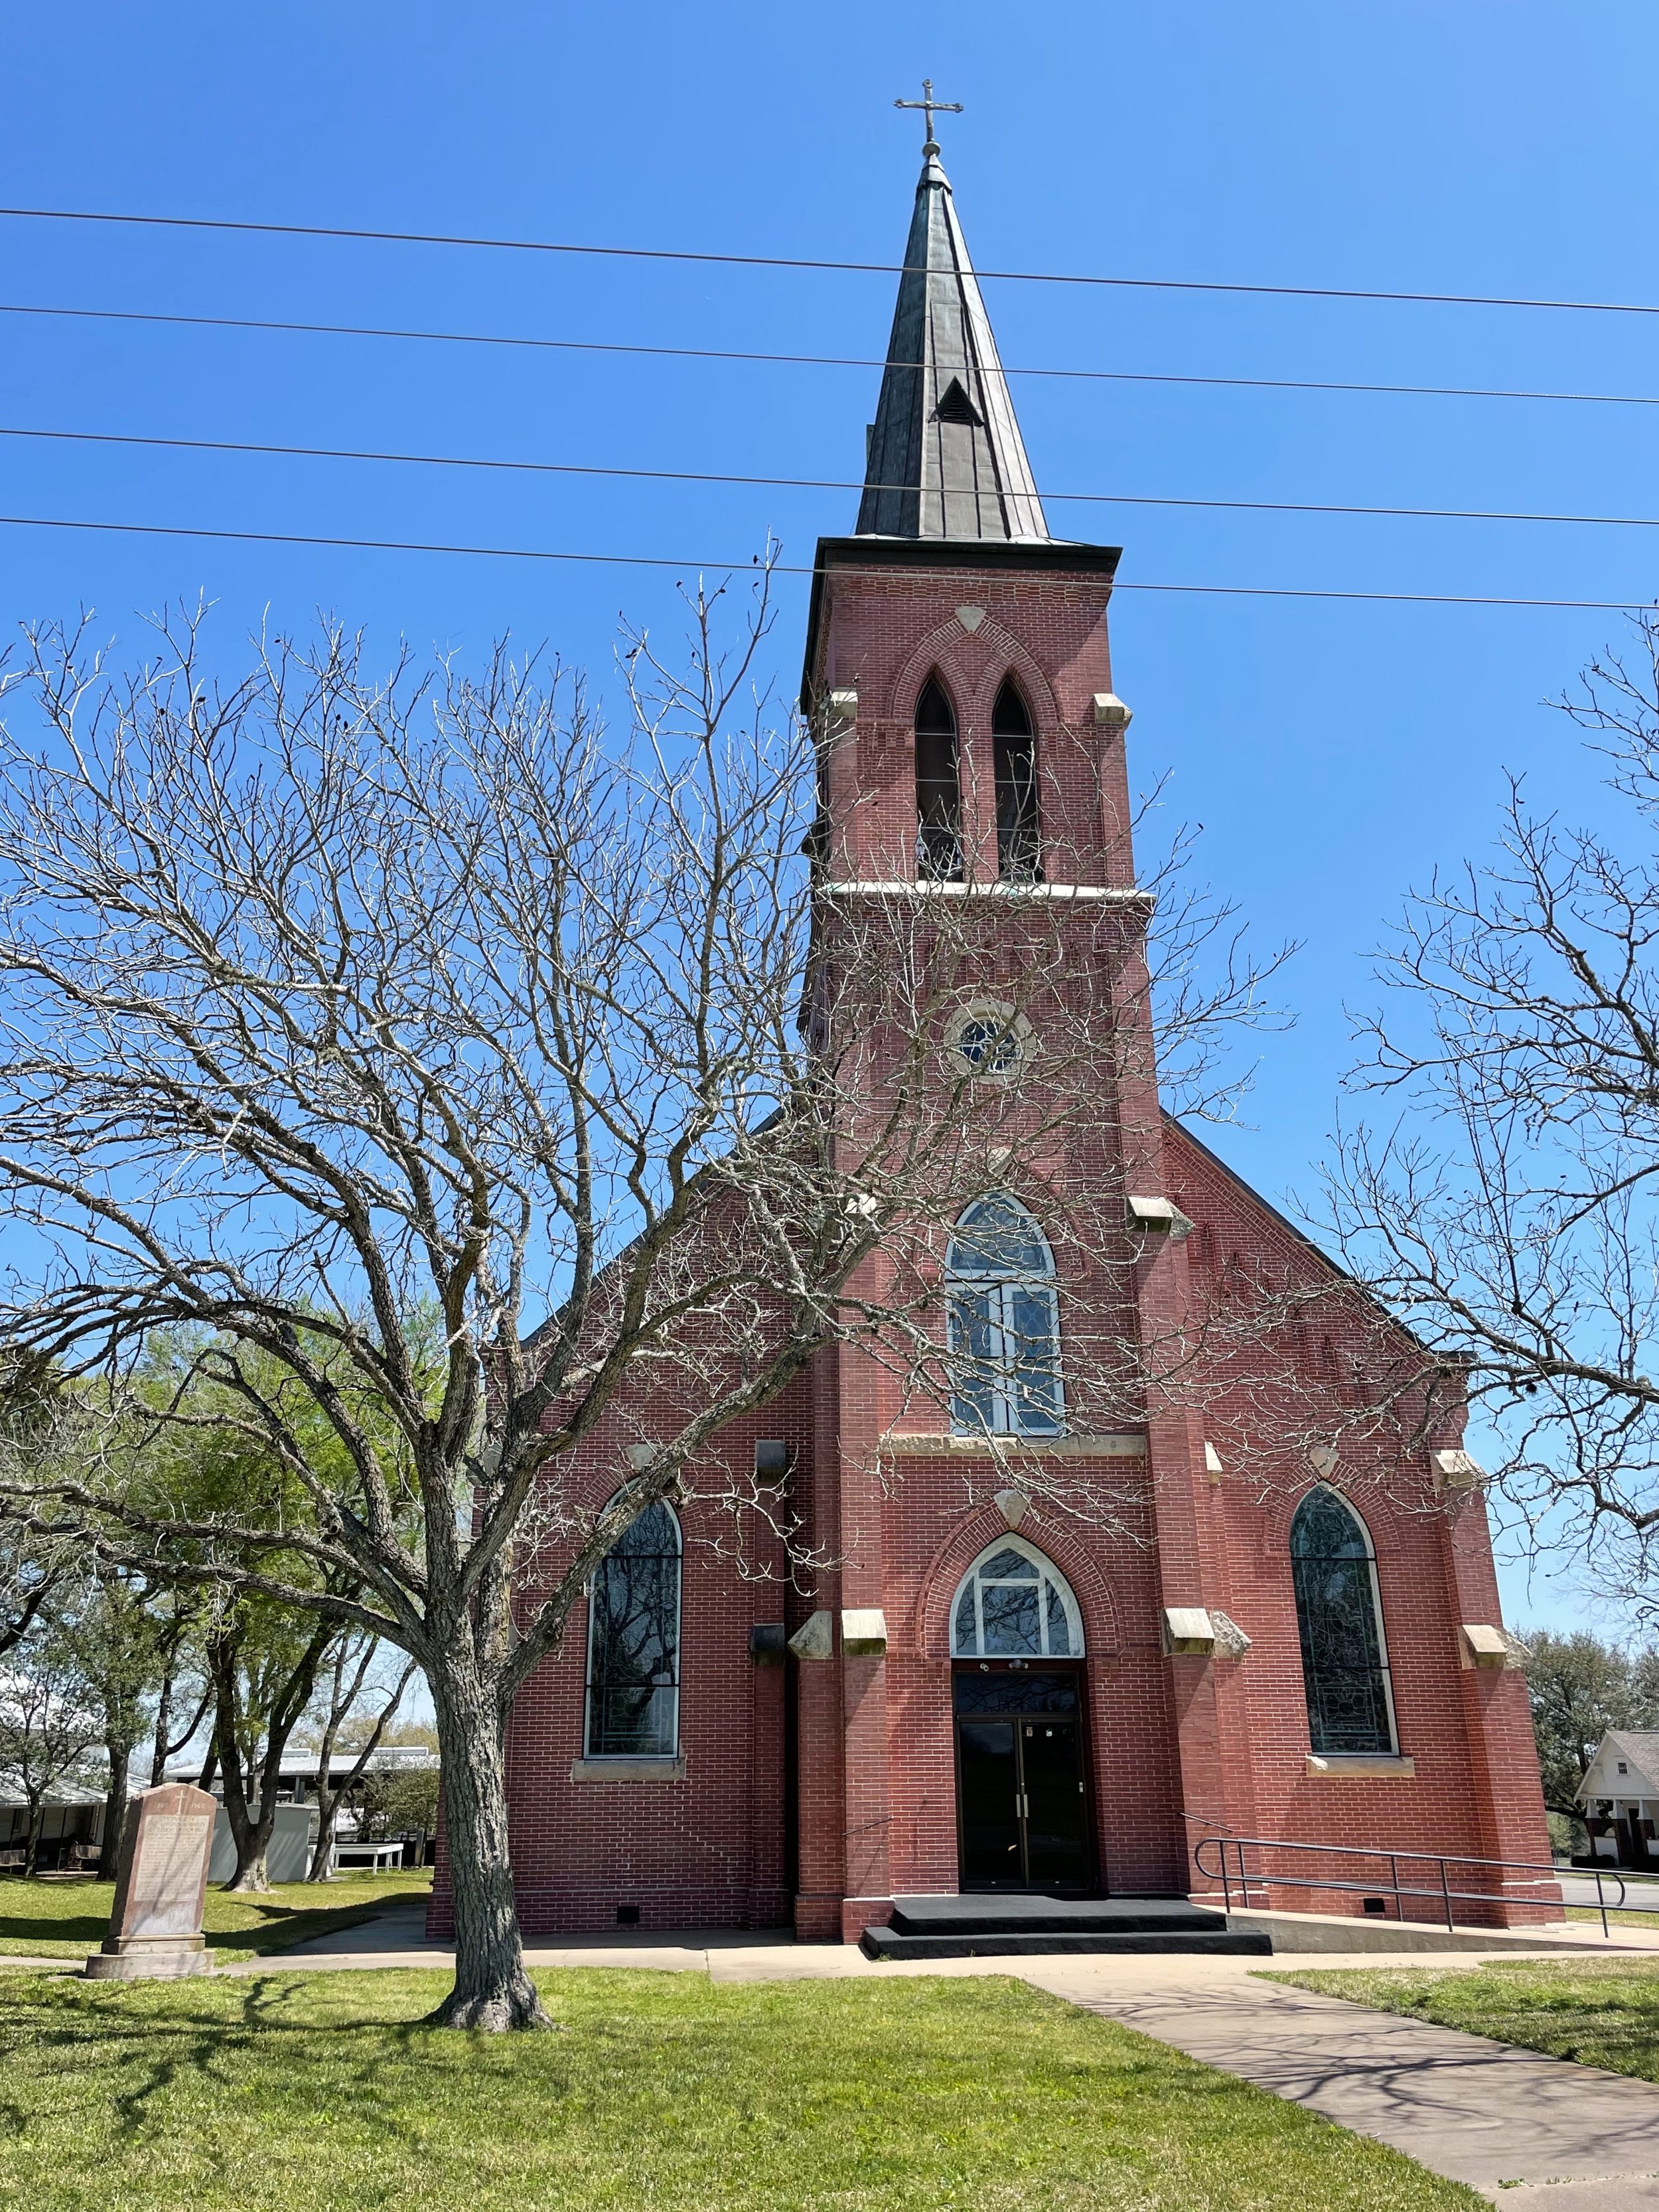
(1022, 1806)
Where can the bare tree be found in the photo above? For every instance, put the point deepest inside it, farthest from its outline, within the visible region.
(182, 1665)
(351, 1676)
(263, 1661)
(1505, 1206)
(330, 1001)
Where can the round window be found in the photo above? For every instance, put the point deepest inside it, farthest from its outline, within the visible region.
(992, 1039)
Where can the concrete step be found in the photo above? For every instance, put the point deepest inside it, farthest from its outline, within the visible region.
(1224, 1943)
(1023, 1914)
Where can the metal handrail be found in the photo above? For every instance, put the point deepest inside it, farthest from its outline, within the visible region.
(1442, 1892)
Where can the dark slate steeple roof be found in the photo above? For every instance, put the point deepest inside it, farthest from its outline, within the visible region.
(945, 457)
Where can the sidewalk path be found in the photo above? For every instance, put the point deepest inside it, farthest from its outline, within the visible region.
(1572, 2137)
(1534, 2134)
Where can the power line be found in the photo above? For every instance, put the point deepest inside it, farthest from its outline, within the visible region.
(778, 567)
(810, 484)
(801, 261)
(824, 359)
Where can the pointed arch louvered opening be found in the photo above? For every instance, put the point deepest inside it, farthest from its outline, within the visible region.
(1019, 833)
(938, 786)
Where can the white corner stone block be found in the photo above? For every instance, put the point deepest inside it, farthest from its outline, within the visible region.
(1457, 1470)
(864, 1631)
(1211, 1460)
(816, 1638)
(1188, 1631)
(1158, 1217)
(1110, 712)
(1483, 1645)
(1230, 1641)
(970, 618)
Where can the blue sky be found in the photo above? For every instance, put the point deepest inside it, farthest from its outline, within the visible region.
(1333, 753)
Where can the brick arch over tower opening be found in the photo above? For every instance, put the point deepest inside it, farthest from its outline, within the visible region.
(973, 677)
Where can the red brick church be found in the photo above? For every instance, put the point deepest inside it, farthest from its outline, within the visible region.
(986, 1694)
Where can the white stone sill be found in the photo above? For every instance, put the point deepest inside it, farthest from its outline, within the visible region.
(936, 1444)
(629, 1769)
(1109, 894)
(1332, 1767)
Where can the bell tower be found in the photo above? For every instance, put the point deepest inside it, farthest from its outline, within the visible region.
(970, 746)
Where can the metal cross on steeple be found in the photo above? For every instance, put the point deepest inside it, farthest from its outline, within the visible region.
(931, 108)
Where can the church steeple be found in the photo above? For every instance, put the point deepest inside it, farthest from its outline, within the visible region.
(945, 458)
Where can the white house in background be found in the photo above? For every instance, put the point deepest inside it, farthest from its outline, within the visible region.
(1620, 1795)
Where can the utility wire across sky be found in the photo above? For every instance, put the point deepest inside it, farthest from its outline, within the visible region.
(801, 261)
(736, 569)
(806, 483)
(818, 360)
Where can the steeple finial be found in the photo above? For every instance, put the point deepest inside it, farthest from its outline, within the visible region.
(930, 108)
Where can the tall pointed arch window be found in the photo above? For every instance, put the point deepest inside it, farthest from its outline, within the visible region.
(1013, 1603)
(634, 1643)
(938, 787)
(1019, 838)
(1345, 1661)
(1003, 1321)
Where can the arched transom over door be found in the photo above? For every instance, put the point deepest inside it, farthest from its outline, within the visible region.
(1017, 1684)
(1013, 1603)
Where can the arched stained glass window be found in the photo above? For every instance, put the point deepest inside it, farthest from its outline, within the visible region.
(1014, 1604)
(1019, 842)
(634, 1643)
(938, 787)
(1345, 1662)
(1004, 1323)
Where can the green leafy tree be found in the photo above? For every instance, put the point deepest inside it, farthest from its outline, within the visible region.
(1580, 1688)
(398, 1802)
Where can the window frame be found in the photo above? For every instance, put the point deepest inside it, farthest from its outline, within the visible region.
(1390, 1748)
(1047, 1574)
(1009, 1416)
(590, 1751)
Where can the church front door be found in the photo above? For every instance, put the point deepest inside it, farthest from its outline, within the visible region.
(1021, 1801)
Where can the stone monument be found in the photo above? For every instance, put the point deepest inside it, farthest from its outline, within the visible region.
(160, 1883)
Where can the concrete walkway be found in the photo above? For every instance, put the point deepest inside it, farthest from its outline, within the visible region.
(1533, 2134)
(1571, 2137)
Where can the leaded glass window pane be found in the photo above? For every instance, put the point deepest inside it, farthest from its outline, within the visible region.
(1013, 1629)
(634, 1643)
(1343, 1663)
(967, 1628)
(1060, 1629)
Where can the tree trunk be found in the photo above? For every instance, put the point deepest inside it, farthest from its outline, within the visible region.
(492, 1988)
(37, 1806)
(328, 1807)
(115, 1805)
(158, 1758)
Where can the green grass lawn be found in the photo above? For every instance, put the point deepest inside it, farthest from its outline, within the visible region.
(318, 2093)
(1603, 2012)
(65, 1919)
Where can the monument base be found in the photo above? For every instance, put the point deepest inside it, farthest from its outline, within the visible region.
(137, 1958)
